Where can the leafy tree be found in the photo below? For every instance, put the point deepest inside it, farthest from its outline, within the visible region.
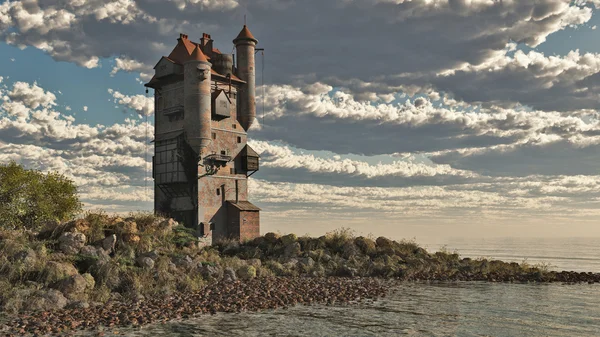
(29, 198)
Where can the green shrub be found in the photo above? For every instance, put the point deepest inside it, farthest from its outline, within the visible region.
(29, 198)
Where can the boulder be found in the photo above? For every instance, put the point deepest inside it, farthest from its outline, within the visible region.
(383, 242)
(153, 254)
(292, 250)
(185, 262)
(89, 251)
(55, 271)
(72, 287)
(229, 275)
(128, 230)
(271, 237)
(71, 243)
(366, 245)
(254, 262)
(289, 239)
(89, 279)
(145, 262)
(350, 250)
(307, 261)
(27, 257)
(210, 272)
(93, 256)
(44, 300)
(246, 272)
(131, 238)
(108, 244)
(81, 226)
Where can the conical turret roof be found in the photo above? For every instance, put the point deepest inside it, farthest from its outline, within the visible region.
(245, 34)
(198, 55)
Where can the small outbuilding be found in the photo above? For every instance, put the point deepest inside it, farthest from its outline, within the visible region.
(244, 220)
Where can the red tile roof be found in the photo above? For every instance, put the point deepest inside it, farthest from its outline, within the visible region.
(245, 34)
(198, 55)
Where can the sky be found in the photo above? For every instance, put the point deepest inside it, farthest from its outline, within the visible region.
(409, 119)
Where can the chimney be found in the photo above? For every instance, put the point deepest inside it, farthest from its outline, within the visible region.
(206, 43)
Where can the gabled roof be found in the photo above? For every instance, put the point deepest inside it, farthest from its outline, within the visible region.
(165, 58)
(248, 151)
(182, 51)
(216, 94)
(245, 34)
(243, 205)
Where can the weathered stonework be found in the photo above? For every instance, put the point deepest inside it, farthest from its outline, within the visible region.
(201, 152)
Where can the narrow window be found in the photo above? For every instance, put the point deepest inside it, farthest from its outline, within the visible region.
(234, 126)
(239, 139)
(218, 191)
(223, 153)
(232, 170)
(214, 135)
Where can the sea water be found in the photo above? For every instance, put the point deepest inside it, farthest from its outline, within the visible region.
(439, 308)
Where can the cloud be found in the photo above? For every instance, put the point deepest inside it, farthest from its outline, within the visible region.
(129, 65)
(282, 163)
(407, 38)
(326, 119)
(85, 108)
(101, 160)
(500, 199)
(32, 96)
(221, 5)
(141, 104)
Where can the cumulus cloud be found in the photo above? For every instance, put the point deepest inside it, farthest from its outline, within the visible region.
(293, 165)
(433, 201)
(206, 4)
(32, 96)
(129, 65)
(464, 34)
(99, 159)
(335, 121)
(141, 104)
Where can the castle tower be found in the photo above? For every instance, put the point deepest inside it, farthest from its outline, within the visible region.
(204, 107)
(245, 45)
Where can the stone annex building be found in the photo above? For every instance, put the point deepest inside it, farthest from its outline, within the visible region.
(204, 106)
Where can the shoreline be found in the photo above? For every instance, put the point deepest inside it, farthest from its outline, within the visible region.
(221, 297)
(237, 296)
(109, 271)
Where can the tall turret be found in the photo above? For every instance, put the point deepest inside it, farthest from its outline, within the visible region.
(245, 45)
(197, 101)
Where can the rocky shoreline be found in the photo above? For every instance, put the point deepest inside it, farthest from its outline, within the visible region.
(226, 296)
(114, 272)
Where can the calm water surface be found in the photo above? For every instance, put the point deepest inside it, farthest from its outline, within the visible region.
(577, 254)
(440, 309)
(418, 309)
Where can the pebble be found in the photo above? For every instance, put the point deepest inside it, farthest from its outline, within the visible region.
(236, 296)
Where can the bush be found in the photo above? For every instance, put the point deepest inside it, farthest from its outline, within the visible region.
(29, 198)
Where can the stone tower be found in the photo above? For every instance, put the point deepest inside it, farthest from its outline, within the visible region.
(204, 106)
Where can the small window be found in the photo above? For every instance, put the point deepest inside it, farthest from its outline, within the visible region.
(218, 191)
(239, 139)
(232, 170)
(223, 153)
(214, 135)
(234, 126)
